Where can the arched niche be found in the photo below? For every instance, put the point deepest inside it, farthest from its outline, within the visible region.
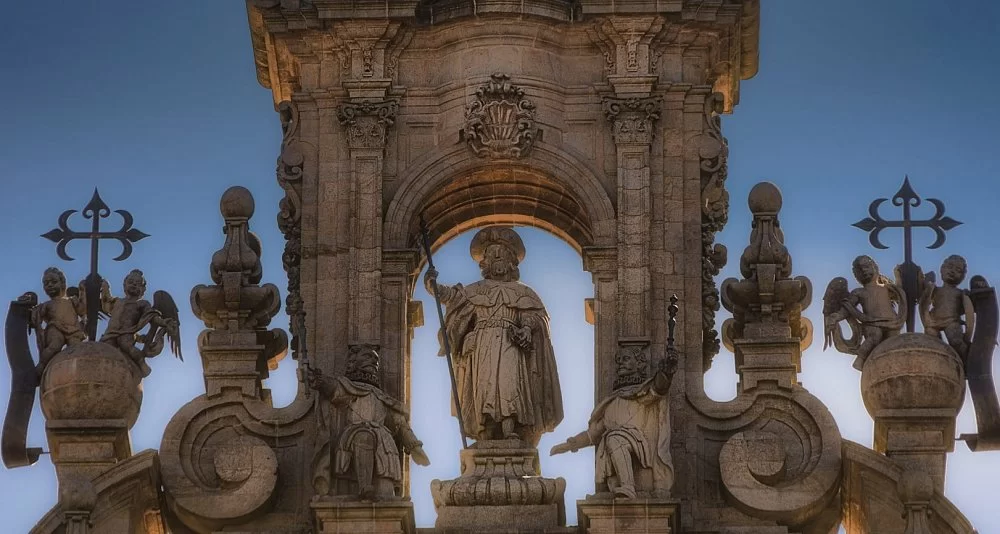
(550, 188)
(455, 191)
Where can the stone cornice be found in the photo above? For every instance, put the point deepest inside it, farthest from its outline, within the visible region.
(270, 17)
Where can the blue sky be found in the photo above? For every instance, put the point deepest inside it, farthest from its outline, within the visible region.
(159, 107)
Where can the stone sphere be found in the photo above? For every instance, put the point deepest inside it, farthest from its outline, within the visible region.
(237, 202)
(764, 198)
(913, 371)
(91, 381)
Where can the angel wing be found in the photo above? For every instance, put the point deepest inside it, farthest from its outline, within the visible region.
(835, 311)
(171, 323)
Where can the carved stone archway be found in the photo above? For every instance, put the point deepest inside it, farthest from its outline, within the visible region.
(455, 192)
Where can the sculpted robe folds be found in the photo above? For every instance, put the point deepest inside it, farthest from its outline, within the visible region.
(639, 416)
(362, 407)
(496, 378)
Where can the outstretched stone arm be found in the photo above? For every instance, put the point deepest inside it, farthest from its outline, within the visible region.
(581, 440)
(408, 439)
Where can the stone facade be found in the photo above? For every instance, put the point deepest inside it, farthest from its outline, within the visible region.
(597, 121)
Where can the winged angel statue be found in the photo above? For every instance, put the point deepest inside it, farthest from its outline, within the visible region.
(130, 314)
(873, 312)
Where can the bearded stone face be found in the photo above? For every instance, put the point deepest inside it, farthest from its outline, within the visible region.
(630, 367)
(499, 263)
(362, 366)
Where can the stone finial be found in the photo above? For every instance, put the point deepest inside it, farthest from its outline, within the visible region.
(237, 301)
(767, 302)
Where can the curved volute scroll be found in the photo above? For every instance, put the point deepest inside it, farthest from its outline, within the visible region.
(780, 459)
(220, 453)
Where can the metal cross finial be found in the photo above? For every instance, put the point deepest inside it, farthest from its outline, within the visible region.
(95, 210)
(909, 271)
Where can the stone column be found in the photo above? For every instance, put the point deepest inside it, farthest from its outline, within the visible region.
(602, 263)
(632, 122)
(366, 124)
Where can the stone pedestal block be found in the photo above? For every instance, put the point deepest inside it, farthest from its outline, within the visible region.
(773, 360)
(500, 490)
(613, 516)
(332, 516)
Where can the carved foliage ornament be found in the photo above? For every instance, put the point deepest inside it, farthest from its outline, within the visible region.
(367, 123)
(289, 173)
(713, 152)
(500, 123)
(632, 118)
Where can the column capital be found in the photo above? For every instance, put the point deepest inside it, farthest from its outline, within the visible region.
(632, 118)
(367, 123)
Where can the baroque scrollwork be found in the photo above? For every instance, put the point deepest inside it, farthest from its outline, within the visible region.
(367, 123)
(500, 123)
(714, 151)
(632, 118)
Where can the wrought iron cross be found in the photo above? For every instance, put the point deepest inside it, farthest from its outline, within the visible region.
(95, 210)
(909, 272)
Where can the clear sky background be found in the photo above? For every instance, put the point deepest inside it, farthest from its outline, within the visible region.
(157, 104)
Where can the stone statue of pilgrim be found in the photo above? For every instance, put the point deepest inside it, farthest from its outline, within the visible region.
(505, 369)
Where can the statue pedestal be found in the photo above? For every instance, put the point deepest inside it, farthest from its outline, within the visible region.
(500, 490)
(333, 516)
(612, 516)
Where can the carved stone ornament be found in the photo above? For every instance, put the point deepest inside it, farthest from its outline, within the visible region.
(367, 123)
(767, 301)
(713, 152)
(632, 118)
(237, 301)
(289, 170)
(500, 123)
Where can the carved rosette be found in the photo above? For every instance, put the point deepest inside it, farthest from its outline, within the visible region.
(367, 123)
(714, 151)
(632, 119)
(500, 123)
(289, 173)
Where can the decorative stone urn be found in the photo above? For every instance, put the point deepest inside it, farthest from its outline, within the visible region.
(913, 385)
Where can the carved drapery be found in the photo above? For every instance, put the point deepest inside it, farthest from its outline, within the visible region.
(714, 151)
(500, 122)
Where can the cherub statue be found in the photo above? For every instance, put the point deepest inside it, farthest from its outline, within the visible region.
(131, 313)
(371, 423)
(942, 308)
(874, 312)
(57, 321)
(631, 430)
